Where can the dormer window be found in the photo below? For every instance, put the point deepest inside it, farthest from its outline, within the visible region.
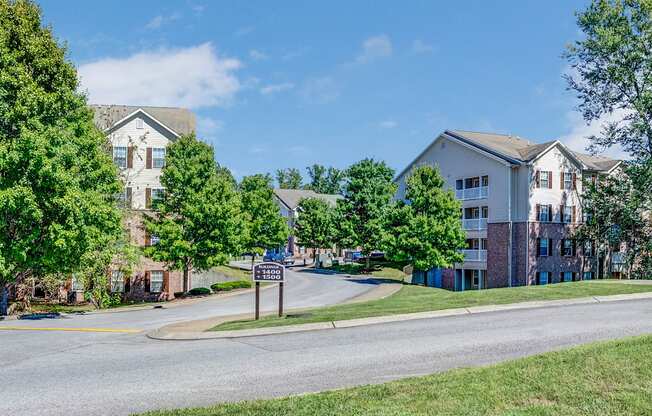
(139, 123)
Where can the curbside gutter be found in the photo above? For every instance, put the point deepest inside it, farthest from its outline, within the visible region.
(168, 333)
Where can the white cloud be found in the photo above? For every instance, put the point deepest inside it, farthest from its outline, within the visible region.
(160, 20)
(208, 125)
(257, 55)
(577, 137)
(274, 88)
(192, 77)
(420, 47)
(320, 90)
(388, 124)
(375, 47)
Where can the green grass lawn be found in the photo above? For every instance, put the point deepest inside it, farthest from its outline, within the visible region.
(234, 272)
(387, 270)
(604, 379)
(418, 299)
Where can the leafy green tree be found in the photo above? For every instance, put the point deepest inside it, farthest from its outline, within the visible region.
(325, 180)
(198, 221)
(289, 178)
(611, 73)
(266, 227)
(425, 229)
(368, 192)
(315, 226)
(57, 180)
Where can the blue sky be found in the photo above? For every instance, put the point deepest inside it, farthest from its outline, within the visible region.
(288, 84)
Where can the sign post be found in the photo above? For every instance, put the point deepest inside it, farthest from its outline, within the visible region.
(269, 272)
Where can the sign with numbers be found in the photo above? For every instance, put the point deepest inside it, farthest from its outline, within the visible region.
(269, 272)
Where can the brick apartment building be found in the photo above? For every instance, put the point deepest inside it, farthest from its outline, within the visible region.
(521, 202)
(139, 137)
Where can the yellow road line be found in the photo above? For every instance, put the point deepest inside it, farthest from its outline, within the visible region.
(30, 328)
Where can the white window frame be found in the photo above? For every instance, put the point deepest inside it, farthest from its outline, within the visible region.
(156, 281)
(117, 281)
(158, 162)
(541, 240)
(547, 179)
(567, 214)
(544, 210)
(140, 124)
(563, 247)
(119, 160)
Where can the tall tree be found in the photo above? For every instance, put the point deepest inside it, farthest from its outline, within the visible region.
(425, 229)
(368, 192)
(325, 180)
(315, 226)
(266, 227)
(289, 178)
(198, 221)
(57, 180)
(611, 66)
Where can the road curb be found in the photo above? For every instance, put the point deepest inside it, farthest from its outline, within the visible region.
(162, 334)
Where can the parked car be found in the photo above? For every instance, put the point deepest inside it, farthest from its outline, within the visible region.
(282, 258)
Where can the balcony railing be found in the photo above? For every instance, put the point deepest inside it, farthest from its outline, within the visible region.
(474, 224)
(475, 255)
(479, 192)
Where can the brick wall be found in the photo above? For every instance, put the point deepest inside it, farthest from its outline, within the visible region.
(555, 263)
(497, 254)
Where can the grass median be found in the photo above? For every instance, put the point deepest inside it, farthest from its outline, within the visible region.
(606, 379)
(419, 299)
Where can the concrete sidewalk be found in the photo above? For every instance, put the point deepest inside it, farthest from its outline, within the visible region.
(197, 330)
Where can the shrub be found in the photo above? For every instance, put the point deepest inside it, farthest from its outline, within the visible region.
(199, 291)
(226, 286)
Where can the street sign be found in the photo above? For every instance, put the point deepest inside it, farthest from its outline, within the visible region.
(269, 272)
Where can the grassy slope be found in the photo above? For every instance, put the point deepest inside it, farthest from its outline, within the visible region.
(605, 379)
(234, 272)
(417, 299)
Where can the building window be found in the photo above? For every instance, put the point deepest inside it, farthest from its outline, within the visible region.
(568, 180)
(483, 243)
(139, 123)
(567, 247)
(543, 247)
(117, 281)
(485, 180)
(588, 275)
(544, 213)
(120, 156)
(459, 184)
(567, 213)
(545, 179)
(588, 249)
(158, 157)
(485, 212)
(157, 195)
(156, 281)
(76, 284)
(472, 182)
(154, 239)
(476, 278)
(543, 278)
(567, 276)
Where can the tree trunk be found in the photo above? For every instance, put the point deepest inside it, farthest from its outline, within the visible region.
(186, 278)
(314, 257)
(4, 301)
(368, 261)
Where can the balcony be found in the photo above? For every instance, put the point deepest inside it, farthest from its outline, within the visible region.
(474, 224)
(475, 255)
(467, 194)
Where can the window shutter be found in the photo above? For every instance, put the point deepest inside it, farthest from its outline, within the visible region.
(148, 239)
(538, 247)
(561, 213)
(574, 181)
(538, 212)
(550, 247)
(127, 283)
(148, 198)
(550, 179)
(148, 161)
(147, 280)
(130, 157)
(573, 214)
(166, 281)
(537, 178)
(538, 278)
(129, 193)
(561, 180)
(550, 213)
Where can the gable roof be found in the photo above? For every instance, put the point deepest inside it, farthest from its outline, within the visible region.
(517, 150)
(291, 197)
(179, 120)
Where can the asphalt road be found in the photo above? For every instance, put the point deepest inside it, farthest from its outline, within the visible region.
(58, 373)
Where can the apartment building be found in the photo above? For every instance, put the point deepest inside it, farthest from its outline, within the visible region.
(521, 202)
(288, 201)
(139, 137)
